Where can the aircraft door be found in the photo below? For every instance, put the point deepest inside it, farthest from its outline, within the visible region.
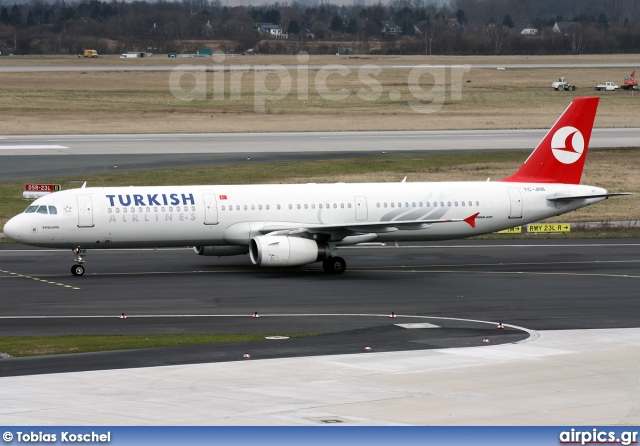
(362, 212)
(515, 198)
(85, 211)
(210, 209)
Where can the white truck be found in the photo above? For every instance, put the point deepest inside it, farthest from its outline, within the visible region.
(607, 86)
(562, 84)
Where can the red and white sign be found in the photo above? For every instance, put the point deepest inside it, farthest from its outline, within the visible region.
(42, 187)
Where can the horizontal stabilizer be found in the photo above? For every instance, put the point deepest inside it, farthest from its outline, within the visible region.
(585, 197)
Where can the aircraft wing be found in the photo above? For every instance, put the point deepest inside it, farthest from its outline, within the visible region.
(366, 227)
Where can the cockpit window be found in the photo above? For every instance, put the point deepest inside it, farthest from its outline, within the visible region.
(31, 209)
(53, 210)
(42, 210)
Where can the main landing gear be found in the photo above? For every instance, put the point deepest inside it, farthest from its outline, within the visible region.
(78, 268)
(334, 265)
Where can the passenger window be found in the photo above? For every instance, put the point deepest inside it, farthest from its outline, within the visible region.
(170, 208)
(117, 210)
(385, 205)
(298, 206)
(377, 205)
(290, 206)
(267, 207)
(53, 210)
(245, 207)
(42, 210)
(349, 205)
(259, 207)
(335, 205)
(455, 203)
(253, 207)
(341, 205)
(31, 209)
(148, 209)
(393, 205)
(306, 206)
(313, 205)
(237, 207)
(124, 210)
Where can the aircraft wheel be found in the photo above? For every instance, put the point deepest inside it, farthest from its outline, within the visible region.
(77, 270)
(334, 265)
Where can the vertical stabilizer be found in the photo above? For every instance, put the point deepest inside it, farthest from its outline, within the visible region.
(559, 158)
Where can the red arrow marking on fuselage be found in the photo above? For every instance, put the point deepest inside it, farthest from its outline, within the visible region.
(472, 220)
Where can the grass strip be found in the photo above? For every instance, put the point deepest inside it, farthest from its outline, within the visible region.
(18, 346)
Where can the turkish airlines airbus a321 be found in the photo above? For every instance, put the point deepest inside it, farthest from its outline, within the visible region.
(282, 225)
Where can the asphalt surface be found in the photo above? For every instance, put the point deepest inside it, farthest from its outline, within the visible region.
(183, 65)
(463, 287)
(40, 157)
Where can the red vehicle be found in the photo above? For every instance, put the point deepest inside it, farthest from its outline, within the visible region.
(630, 81)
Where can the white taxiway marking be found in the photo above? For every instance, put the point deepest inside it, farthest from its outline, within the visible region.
(24, 147)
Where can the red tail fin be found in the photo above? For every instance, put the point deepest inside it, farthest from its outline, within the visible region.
(559, 158)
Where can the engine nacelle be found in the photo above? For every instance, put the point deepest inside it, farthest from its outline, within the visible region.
(221, 251)
(281, 250)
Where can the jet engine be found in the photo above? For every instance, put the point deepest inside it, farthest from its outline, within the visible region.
(221, 251)
(274, 251)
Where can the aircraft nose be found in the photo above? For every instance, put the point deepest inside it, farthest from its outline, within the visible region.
(12, 229)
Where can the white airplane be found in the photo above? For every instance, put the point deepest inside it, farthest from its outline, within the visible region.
(297, 224)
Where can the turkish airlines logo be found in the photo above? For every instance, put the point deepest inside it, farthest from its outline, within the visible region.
(567, 145)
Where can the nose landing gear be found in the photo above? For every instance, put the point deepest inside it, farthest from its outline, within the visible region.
(78, 268)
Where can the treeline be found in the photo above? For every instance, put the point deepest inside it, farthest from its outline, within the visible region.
(399, 27)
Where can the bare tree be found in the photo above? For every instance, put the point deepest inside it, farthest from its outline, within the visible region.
(430, 30)
(499, 35)
(579, 38)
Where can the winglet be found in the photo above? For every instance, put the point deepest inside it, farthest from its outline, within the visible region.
(472, 220)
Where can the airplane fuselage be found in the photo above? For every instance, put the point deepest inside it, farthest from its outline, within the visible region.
(120, 217)
(298, 224)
